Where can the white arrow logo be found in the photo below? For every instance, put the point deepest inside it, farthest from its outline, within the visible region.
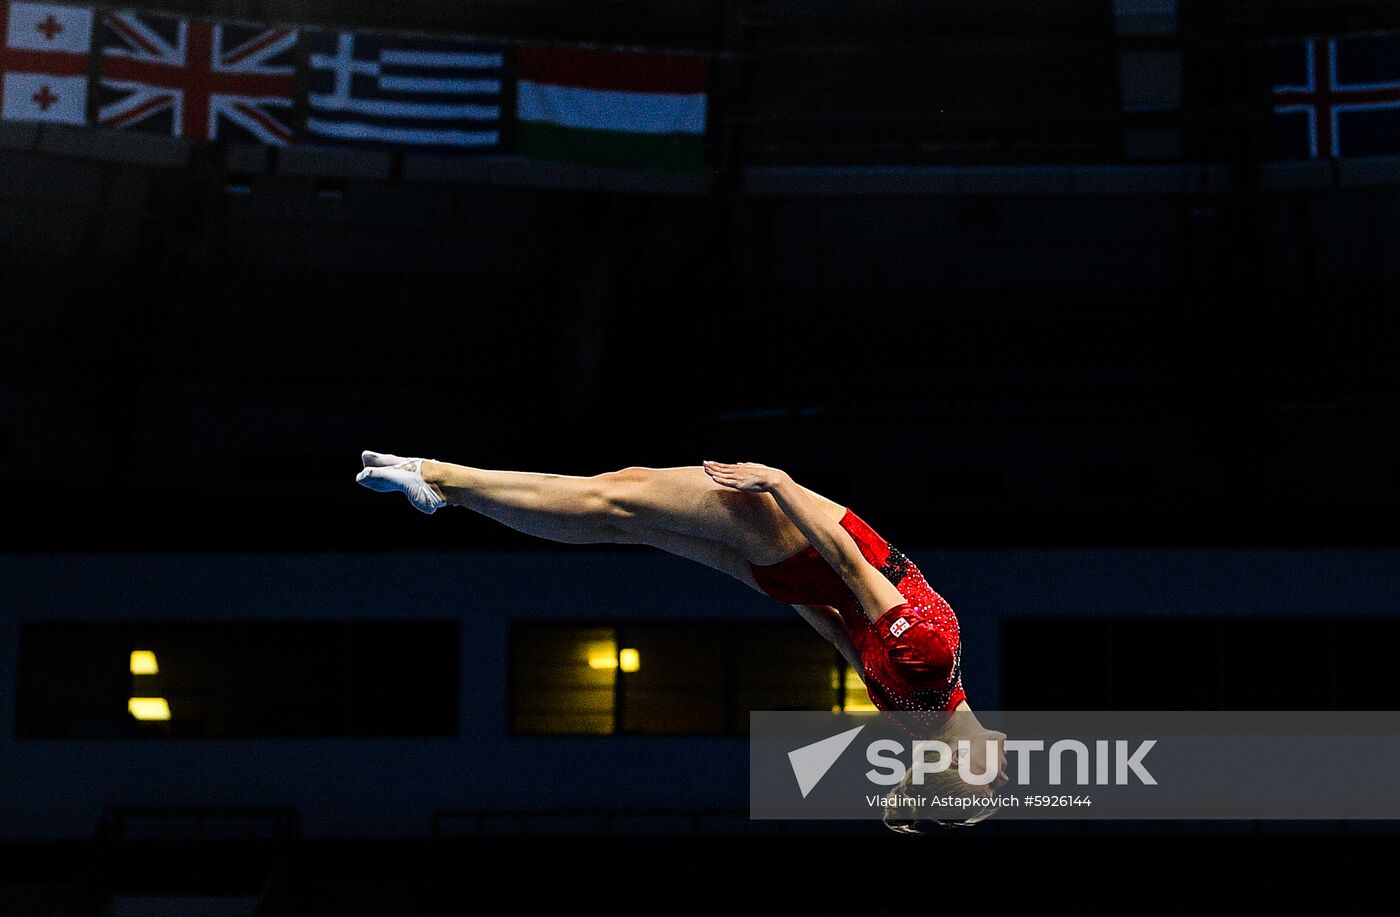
(811, 762)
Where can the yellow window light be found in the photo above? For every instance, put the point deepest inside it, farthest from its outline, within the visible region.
(143, 662)
(629, 660)
(857, 697)
(148, 708)
(602, 655)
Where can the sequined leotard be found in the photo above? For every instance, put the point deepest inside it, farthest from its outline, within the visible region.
(911, 655)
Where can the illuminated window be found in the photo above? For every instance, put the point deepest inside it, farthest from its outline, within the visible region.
(682, 686)
(657, 678)
(782, 665)
(237, 679)
(854, 697)
(144, 662)
(572, 675)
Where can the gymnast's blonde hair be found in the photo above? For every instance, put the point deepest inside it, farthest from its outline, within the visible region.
(905, 816)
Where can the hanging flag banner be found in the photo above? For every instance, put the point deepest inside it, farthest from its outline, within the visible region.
(403, 91)
(201, 80)
(615, 108)
(1335, 97)
(171, 75)
(45, 62)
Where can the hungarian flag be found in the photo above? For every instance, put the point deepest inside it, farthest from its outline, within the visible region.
(614, 108)
(1335, 97)
(45, 62)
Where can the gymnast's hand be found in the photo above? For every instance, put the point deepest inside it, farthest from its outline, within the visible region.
(750, 477)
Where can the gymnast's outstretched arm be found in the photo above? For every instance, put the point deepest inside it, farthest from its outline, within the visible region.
(875, 593)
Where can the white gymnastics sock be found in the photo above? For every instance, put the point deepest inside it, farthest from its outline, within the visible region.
(385, 472)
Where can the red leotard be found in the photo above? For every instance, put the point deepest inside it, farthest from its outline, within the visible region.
(911, 655)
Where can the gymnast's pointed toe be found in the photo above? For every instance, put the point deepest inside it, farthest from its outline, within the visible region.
(406, 478)
(379, 459)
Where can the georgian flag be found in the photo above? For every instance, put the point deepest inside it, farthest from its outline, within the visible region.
(44, 62)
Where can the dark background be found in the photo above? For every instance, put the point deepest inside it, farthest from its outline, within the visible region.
(862, 289)
(186, 348)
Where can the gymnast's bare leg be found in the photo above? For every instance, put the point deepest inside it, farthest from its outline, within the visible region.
(679, 510)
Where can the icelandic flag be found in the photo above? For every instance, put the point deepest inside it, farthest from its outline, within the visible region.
(1335, 97)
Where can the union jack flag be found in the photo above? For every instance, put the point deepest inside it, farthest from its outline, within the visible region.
(203, 80)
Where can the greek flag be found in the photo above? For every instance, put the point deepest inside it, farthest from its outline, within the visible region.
(403, 91)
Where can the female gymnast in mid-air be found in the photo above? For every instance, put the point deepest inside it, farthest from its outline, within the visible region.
(770, 533)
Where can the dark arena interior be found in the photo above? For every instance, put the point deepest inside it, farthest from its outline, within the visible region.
(1090, 306)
